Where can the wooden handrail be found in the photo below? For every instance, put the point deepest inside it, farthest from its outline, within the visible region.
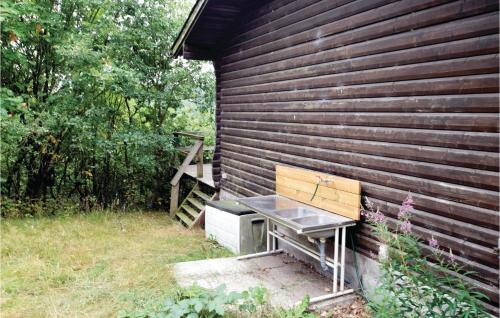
(195, 150)
(189, 134)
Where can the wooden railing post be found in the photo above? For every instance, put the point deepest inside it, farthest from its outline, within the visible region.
(174, 199)
(199, 164)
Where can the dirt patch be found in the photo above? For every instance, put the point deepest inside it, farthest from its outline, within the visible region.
(356, 309)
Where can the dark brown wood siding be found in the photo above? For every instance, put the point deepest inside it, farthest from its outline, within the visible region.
(401, 95)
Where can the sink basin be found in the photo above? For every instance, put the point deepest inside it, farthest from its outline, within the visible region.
(299, 212)
(313, 220)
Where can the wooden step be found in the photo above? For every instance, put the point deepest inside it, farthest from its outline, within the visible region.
(202, 195)
(195, 202)
(190, 210)
(184, 218)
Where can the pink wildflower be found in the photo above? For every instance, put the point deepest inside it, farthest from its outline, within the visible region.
(405, 208)
(373, 217)
(378, 217)
(433, 242)
(405, 227)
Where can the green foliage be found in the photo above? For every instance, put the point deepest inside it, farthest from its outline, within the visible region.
(90, 98)
(254, 300)
(414, 284)
(194, 302)
(203, 303)
(299, 311)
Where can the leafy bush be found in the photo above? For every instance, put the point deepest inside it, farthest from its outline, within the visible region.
(192, 302)
(90, 99)
(202, 303)
(414, 284)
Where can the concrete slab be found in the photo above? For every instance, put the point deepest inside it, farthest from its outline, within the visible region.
(287, 279)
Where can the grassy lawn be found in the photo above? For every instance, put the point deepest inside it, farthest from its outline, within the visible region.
(92, 265)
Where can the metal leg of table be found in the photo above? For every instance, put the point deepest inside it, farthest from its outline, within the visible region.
(335, 260)
(275, 240)
(268, 236)
(261, 254)
(342, 259)
(340, 234)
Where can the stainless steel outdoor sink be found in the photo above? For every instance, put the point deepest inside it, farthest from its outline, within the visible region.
(294, 213)
(302, 218)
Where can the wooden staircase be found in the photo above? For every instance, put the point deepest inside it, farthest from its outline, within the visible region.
(192, 209)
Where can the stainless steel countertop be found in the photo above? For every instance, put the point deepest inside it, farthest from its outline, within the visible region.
(302, 218)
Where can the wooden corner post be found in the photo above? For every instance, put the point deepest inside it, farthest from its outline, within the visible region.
(199, 163)
(174, 199)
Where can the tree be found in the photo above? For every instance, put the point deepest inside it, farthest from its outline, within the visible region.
(89, 96)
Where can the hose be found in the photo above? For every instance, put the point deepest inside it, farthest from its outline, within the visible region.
(356, 268)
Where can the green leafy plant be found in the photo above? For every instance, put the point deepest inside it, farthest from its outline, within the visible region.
(203, 303)
(414, 284)
(254, 302)
(193, 302)
(299, 311)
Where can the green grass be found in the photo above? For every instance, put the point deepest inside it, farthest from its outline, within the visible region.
(92, 265)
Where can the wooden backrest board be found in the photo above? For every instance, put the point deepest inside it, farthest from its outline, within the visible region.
(334, 194)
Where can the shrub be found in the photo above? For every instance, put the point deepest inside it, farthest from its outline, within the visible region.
(413, 284)
(203, 303)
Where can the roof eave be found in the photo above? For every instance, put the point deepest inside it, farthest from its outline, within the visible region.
(195, 13)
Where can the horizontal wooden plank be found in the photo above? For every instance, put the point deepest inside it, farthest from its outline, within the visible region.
(237, 190)
(249, 185)
(466, 231)
(328, 192)
(247, 175)
(442, 86)
(454, 157)
(482, 122)
(486, 218)
(441, 51)
(439, 138)
(483, 64)
(309, 176)
(319, 202)
(474, 103)
(323, 190)
(349, 47)
(442, 190)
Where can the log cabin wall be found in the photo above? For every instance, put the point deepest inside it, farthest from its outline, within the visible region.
(401, 95)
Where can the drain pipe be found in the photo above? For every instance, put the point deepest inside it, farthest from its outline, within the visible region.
(321, 243)
(322, 255)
